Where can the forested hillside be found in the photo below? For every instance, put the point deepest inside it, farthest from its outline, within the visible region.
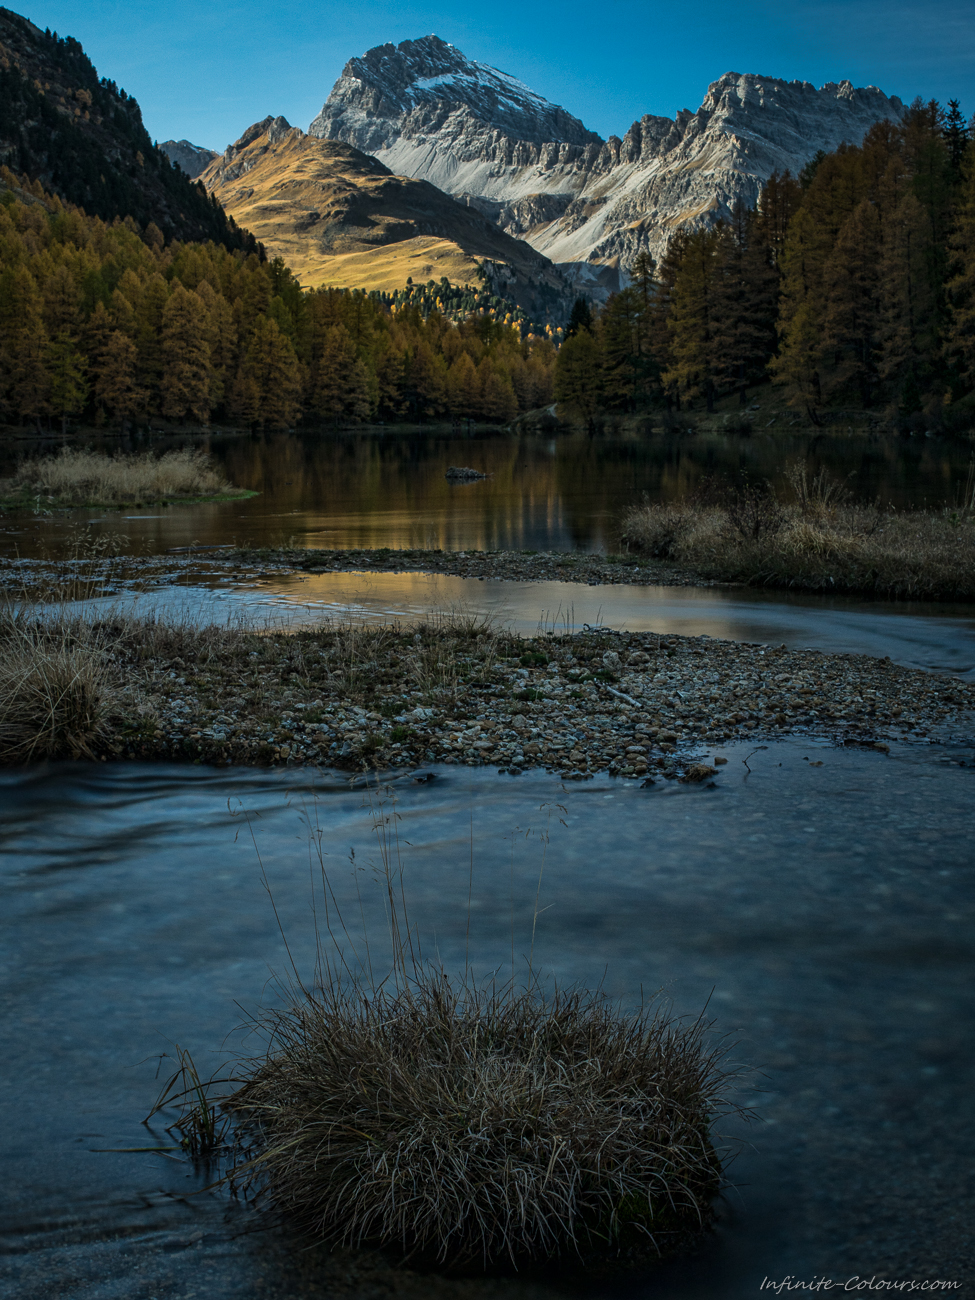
(104, 322)
(84, 140)
(852, 286)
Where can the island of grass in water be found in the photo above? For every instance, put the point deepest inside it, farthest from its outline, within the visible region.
(81, 477)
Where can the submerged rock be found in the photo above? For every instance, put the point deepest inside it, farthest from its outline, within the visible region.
(463, 474)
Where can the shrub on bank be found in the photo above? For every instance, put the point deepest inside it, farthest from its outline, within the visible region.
(476, 1127)
(820, 543)
(56, 691)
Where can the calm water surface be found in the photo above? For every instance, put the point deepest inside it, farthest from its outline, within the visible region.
(387, 488)
(827, 912)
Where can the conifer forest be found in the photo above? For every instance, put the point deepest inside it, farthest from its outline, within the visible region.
(850, 286)
(106, 322)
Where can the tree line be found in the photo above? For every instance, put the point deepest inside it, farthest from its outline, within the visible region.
(104, 322)
(459, 301)
(851, 285)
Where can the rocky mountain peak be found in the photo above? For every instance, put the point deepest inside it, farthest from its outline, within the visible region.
(428, 111)
(749, 94)
(192, 158)
(427, 81)
(275, 128)
(239, 157)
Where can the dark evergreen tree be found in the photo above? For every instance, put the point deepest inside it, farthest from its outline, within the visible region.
(580, 318)
(745, 304)
(695, 367)
(578, 376)
(808, 173)
(955, 130)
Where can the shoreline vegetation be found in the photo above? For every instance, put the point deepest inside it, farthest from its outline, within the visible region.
(455, 691)
(78, 477)
(817, 541)
(768, 414)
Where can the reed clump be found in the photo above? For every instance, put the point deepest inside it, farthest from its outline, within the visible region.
(58, 689)
(201, 1125)
(473, 1125)
(481, 1127)
(815, 539)
(86, 477)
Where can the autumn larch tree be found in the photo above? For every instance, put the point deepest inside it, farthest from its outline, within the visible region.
(187, 379)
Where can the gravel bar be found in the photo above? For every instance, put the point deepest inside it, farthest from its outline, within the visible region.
(630, 704)
(509, 566)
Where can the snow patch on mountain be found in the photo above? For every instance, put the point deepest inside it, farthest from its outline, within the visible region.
(427, 111)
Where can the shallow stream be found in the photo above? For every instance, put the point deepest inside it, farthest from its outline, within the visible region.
(822, 900)
(934, 637)
(825, 910)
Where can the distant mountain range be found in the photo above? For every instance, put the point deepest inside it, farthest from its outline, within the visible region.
(422, 162)
(427, 111)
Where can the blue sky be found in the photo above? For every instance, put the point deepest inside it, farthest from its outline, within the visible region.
(205, 71)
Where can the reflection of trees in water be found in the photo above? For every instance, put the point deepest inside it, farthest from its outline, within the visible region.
(389, 488)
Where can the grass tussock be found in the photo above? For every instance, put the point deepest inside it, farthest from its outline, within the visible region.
(58, 689)
(812, 538)
(468, 1125)
(84, 477)
(482, 1127)
(435, 658)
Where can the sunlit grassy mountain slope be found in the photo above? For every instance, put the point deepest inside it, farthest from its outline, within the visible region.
(339, 217)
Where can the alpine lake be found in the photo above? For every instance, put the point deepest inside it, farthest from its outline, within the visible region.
(818, 901)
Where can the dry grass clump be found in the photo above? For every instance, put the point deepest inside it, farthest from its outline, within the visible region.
(817, 541)
(84, 477)
(434, 659)
(482, 1127)
(149, 640)
(57, 689)
(473, 1126)
(431, 657)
